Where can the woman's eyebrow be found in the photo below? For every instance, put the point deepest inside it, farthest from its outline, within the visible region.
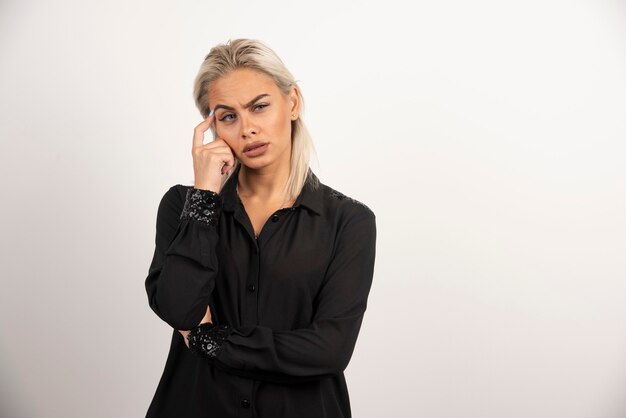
(250, 103)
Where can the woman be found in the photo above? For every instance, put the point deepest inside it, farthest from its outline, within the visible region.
(262, 271)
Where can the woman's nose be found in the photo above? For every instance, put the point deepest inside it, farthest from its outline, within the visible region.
(248, 127)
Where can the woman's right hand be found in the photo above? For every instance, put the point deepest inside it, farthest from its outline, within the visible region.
(212, 160)
(207, 318)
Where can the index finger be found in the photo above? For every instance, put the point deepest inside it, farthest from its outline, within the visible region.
(198, 133)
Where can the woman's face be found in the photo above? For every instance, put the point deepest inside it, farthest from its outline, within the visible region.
(250, 108)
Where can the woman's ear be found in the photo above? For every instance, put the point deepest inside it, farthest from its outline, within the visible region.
(294, 101)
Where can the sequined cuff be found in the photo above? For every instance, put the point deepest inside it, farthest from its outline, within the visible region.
(202, 205)
(206, 339)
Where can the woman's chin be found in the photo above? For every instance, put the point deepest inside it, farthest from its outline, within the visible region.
(256, 163)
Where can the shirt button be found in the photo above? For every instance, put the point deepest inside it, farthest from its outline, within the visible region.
(275, 218)
(251, 287)
(245, 403)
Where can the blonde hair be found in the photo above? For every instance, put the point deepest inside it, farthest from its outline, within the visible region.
(253, 54)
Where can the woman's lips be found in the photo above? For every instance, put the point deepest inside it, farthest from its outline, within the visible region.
(256, 151)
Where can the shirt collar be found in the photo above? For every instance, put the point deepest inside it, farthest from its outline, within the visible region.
(308, 197)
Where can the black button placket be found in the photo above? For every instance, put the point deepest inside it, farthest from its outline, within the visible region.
(250, 313)
(270, 227)
(251, 288)
(250, 316)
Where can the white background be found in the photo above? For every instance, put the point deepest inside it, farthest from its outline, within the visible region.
(489, 138)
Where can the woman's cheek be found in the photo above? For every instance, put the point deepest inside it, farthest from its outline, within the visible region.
(226, 133)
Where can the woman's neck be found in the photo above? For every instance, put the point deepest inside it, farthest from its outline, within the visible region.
(265, 184)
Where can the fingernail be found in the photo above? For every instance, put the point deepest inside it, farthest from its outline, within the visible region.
(211, 112)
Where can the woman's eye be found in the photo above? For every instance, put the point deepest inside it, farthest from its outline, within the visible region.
(224, 117)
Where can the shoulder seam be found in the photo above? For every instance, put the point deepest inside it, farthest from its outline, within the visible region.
(337, 195)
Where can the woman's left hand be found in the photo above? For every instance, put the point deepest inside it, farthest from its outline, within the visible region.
(207, 318)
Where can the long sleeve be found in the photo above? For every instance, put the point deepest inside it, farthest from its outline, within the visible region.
(182, 274)
(326, 346)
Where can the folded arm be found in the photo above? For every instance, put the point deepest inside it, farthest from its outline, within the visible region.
(184, 267)
(320, 350)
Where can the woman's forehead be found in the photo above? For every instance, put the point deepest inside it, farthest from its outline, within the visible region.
(240, 86)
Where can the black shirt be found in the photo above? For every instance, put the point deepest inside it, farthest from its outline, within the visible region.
(293, 299)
